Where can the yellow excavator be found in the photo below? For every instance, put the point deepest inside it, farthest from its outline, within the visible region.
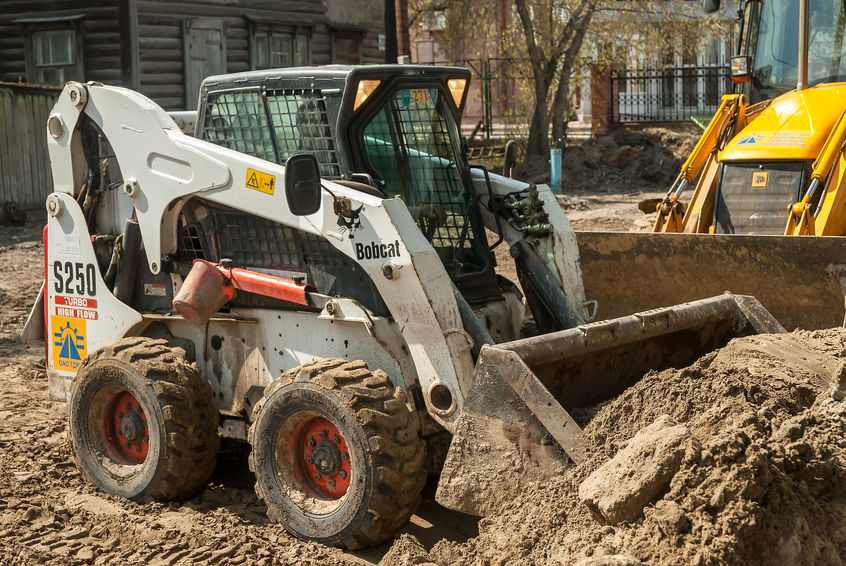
(769, 166)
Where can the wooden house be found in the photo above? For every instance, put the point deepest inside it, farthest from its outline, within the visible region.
(164, 48)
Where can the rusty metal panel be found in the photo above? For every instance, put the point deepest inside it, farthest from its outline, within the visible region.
(797, 278)
(25, 177)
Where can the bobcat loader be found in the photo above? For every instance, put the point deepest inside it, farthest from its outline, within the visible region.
(769, 167)
(311, 273)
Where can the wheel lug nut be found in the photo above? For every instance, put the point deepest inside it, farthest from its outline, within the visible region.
(309, 460)
(147, 439)
(323, 434)
(120, 415)
(345, 456)
(311, 442)
(337, 439)
(331, 482)
(128, 406)
(138, 448)
(317, 476)
(343, 474)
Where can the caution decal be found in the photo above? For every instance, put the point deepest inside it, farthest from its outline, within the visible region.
(260, 181)
(68, 342)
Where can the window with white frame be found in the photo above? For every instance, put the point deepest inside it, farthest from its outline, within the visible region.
(280, 46)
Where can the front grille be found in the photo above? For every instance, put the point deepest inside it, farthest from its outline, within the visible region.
(754, 198)
(251, 241)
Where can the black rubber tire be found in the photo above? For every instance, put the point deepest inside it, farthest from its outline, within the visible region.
(180, 418)
(385, 451)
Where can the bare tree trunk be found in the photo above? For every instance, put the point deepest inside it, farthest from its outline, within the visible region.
(544, 64)
(539, 129)
(561, 109)
(561, 101)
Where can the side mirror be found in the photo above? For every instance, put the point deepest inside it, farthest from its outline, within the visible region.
(710, 6)
(302, 184)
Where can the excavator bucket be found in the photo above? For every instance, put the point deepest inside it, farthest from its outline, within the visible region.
(800, 280)
(522, 417)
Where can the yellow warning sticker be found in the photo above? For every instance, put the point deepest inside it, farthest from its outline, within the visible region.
(259, 181)
(759, 179)
(68, 342)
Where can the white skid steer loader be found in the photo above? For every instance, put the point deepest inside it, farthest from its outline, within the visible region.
(310, 273)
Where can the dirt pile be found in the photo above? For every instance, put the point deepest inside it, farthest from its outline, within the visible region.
(622, 161)
(637, 160)
(761, 481)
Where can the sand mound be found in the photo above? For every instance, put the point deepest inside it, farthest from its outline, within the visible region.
(765, 484)
(624, 160)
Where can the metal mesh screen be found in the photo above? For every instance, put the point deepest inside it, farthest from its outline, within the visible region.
(251, 241)
(409, 145)
(300, 124)
(192, 243)
(754, 200)
(237, 120)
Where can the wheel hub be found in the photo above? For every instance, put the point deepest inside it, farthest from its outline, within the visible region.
(132, 427)
(323, 457)
(125, 430)
(327, 458)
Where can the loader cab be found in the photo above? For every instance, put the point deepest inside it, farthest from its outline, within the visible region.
(770, 38)
(388, 130)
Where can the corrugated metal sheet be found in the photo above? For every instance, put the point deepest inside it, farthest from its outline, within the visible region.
(24, 162)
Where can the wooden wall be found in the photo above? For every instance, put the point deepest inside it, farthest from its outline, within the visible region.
(99, 27)
(158, 26)
(109, 55)
(24, 161)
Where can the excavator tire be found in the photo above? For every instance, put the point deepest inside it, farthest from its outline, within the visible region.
(337, 453)
(142, 422)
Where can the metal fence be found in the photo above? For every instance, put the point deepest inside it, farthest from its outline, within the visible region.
(25, 176)
(499, 99)
(672, 94)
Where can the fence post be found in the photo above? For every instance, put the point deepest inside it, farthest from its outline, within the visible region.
(600, 100)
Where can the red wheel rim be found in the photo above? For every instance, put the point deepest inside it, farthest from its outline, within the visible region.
(323, 457)
(125, 429)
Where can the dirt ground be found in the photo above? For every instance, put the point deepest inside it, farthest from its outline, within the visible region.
(762, 478)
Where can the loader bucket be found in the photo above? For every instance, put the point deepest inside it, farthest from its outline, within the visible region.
(522, 417)
(799, 279)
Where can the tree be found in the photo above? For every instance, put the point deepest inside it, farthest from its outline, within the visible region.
(552, 50)
(547, 37)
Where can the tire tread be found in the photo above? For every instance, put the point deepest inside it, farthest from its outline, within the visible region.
(393, 433)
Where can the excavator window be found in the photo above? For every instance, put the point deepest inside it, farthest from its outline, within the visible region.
(772, 35)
